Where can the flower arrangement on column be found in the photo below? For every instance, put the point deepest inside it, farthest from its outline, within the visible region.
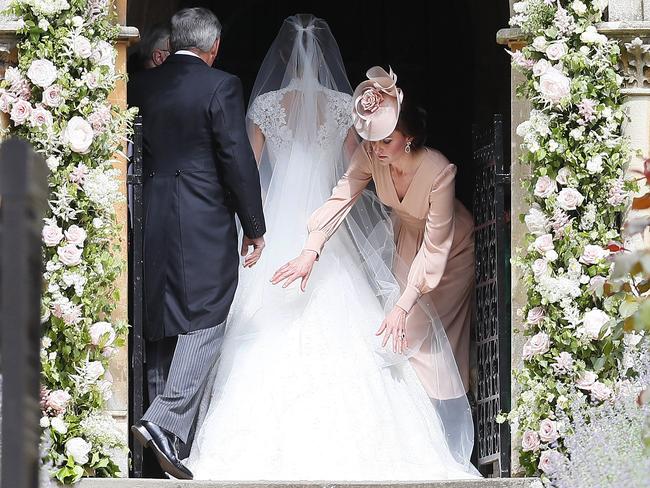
(576, 350)
(57, 98)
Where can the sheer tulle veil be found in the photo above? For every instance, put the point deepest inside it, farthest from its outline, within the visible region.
(299, 166)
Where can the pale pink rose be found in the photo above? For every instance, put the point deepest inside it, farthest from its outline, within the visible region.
(536, 221)
(545, 187)
(103, 54)
(569, 199)
(94, 371)
(6, 101)
(593, 322)
(75, 235)
(102, 333)
(91, 79)
(371, 100)
(586, 380)
(596, 285)
(563, 176)
(81, 47)
(563, 363)
(541, 67)
(70, 255)
(52, 96)
(58, 400)
(618, 195)
(587, 109)
(42, 72)
(78, 135)
(109, 352)
(535, 315)
(544, 243)
(100, 119)
(550, 461)
(41, 117)
(538, 344)
(540, 267)
(593, 254)
(554, 85)
(556, 51)
(530, 441)
(600, 391)
(21, 111)
(52, 235)
(548, 431)
(78, 175)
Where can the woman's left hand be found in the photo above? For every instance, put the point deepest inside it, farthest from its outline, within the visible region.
(395, 325)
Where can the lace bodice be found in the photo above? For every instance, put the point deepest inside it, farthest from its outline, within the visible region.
(269, 114)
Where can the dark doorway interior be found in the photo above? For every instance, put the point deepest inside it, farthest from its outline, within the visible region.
(444, 54)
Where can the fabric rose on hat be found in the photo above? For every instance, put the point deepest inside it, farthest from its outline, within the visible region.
(371, 100)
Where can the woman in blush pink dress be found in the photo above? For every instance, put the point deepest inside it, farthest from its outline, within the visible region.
(433, 231)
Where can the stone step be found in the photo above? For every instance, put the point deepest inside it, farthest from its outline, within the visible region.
(150, 483)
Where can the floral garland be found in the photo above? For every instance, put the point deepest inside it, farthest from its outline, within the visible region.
(574, 146)
(57, 99)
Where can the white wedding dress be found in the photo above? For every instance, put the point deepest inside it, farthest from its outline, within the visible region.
(303, 390)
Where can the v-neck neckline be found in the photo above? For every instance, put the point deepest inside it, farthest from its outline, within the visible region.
(406, 193)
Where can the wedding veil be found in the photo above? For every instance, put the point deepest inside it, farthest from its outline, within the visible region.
(304, 73)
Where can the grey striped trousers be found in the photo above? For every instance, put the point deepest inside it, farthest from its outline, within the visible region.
(175, 409)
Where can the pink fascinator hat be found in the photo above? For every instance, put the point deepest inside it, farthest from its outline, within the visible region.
(377, 102)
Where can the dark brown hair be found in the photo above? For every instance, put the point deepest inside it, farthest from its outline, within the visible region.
(412, 122)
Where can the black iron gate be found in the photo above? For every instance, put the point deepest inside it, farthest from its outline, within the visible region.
(136, 292)
(492, 332)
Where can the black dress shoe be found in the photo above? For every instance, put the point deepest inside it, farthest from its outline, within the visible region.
(164, 447)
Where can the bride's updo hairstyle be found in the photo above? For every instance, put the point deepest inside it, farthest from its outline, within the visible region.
(412, 122)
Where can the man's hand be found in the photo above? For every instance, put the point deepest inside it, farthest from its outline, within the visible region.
(250, 259)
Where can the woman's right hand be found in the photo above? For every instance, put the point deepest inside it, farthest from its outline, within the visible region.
(300, 267)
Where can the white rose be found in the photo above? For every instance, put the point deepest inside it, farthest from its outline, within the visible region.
(52, 96)
(536, 221)
(596, 285)
(538, 344)
(82, 47)
(631, 339)
(544, 187)
(70, 255)
(52, 235)
(530, 441)
(97, 223)
(21, 111)
(75, 235)
(52, 163)
(78, 134)
(102, 333)
(539, 43)
(540, 267)
(586, 380)
(600, 391)
(549, 461)
(41, 117)
(553, 146)
(593, 254)
(58, 399)
(94, 370)
(591, 36)
(593, 322)
(44, 422)
(569, 199)
(578, 7)
(595, 164)
(77, 21)
(42, 72)
(554, 85)
(535, 315)
(78, 449)
(544, 243)
(103, 54)
(541, 67)
(548, 431)
(59, 425)
(556, 51)
(43, 24)
(563, 176)
(601, 4)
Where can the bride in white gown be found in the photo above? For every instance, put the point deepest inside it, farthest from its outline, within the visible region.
(303, 389)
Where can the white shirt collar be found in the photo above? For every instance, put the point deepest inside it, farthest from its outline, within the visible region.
(187, 53)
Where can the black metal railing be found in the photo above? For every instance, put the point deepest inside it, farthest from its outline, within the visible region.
(492, 334)
(23, 202)
(136, 295)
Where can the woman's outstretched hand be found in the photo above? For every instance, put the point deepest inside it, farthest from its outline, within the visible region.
(395, 325)
(299, 267)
